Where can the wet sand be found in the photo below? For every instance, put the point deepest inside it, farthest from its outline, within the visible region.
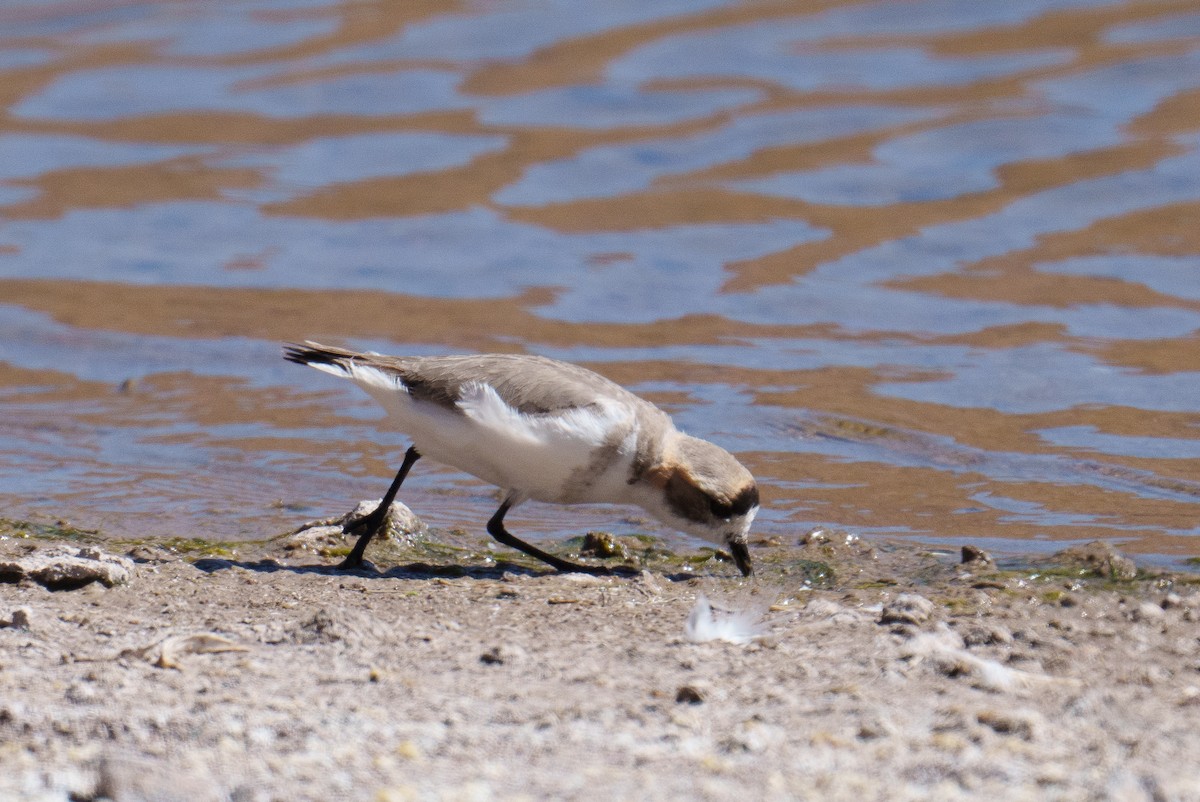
(885, 671)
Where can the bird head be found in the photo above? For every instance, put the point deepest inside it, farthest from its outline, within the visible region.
(703, 490)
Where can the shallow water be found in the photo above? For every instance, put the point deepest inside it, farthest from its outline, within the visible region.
(931, 269)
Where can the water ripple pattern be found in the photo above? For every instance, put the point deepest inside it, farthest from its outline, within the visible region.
(930, 268)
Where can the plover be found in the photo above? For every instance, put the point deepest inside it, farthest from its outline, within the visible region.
(550, 431)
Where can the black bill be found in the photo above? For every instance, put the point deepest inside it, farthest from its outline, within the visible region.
(741, 557)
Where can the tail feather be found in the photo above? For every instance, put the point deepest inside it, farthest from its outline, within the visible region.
(373, 372)
(322, 357)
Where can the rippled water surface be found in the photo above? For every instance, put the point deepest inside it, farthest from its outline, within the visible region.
(932, 269)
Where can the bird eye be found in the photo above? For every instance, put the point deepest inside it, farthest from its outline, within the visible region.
(720, 509)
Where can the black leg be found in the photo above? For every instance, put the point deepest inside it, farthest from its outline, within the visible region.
(374, 522)
(496, 529)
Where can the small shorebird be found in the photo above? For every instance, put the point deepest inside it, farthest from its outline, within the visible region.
(550, 431)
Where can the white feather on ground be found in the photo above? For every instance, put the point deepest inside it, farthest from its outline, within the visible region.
(740, 626)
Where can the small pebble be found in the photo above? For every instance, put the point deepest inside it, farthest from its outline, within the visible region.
(876, 728)
(1101, 559)
(987, 636)
(814, 538)
(21, 618)
(973, 555)
(603, 544)
(67, 568)
(1148, 612)
(1018, 723)
(907, 608)
(499, 655)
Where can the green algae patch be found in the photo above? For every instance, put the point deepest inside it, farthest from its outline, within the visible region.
(1054, 596)
(192, 546)
(59, 530)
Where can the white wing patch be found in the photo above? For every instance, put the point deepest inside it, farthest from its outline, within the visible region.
(537, 454)
(586, 427)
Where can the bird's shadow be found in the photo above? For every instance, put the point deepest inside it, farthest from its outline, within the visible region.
(415, 570)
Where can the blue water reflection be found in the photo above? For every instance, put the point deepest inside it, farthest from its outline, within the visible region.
(476, 253)
(16, 57)
(113, 93)
(621, 169)
(1125, 90)
(1089, 438)
(215, 27)
(1043, 378)
(610, 106)
(1181, 26)
(774, 51)
(1177, 276)
(515, 30)
(111, 357)
(299, 169)
(31, 155)
(940, 163)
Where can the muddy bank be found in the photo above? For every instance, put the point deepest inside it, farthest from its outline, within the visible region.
(879, 671)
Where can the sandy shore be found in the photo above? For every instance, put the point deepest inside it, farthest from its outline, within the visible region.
(882, 671)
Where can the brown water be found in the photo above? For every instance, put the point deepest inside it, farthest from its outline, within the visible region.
(931, 269)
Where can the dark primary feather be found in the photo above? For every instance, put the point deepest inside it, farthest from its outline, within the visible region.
(313, 354)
